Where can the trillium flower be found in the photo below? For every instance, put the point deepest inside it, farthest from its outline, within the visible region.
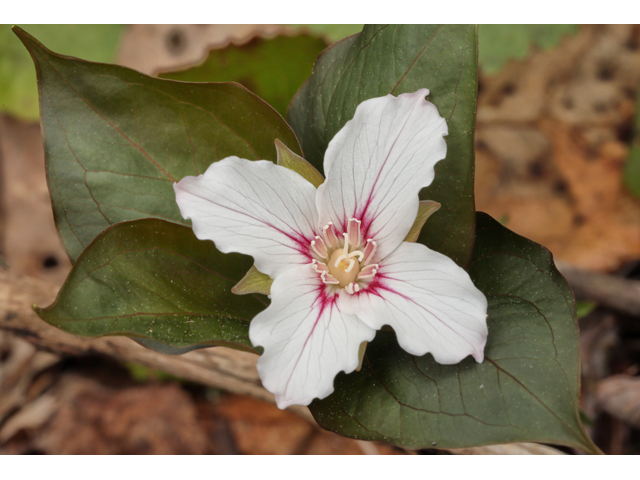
(337, 254)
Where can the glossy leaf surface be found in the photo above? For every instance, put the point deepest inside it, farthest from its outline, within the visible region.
(155, 281)
(526, 390)
(395, 59)
(116, 140)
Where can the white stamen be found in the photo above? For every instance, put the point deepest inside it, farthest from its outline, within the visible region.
(352, 262)
(357, 253)
(342, 257)
(328, 247)
(352, 288)
(339, 259)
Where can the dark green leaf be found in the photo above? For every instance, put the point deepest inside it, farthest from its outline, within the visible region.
(526, 390)
(499, 43)
(166, 349)
(116, 140)
(274, 69)
(156, 282)
(397, 59)
(18, 87)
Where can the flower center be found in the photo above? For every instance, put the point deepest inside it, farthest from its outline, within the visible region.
(344, 261)
(343, 268)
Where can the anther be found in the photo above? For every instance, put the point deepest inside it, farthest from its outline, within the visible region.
(369, 250)
(319, 267)
(368, 272)
(353, 230)
(329, 279)
(330, 237)
(319, 248)
(352, 288)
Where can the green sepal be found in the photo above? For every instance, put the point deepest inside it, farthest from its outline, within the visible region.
(426, 208)
(292, 161)
(253, 282)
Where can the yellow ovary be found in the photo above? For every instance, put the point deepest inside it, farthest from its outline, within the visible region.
(343, 269)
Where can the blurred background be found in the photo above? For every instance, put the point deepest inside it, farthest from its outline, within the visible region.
(557, 160)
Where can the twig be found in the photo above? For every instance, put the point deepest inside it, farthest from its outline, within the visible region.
(221, 368)
(218, 367)
(618, 293)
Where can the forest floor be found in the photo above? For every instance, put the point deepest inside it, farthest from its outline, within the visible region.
(553, 135)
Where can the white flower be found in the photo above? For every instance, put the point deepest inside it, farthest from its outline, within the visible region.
(340, 267)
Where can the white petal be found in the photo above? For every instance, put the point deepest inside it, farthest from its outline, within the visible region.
(429, 301)
(377, 164)
(252, 207)
(307, 340)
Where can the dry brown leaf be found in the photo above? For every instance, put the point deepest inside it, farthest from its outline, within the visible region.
(550, 153)
(30, 245)
(148, 419)
(262, 429)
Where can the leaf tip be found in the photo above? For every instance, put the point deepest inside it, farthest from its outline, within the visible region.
(41, 312)
(21, 34)
(28, 40)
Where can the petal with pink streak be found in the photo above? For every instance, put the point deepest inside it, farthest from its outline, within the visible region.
(252, 207)
(307, 339)
(377, 164)
(429, 301)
